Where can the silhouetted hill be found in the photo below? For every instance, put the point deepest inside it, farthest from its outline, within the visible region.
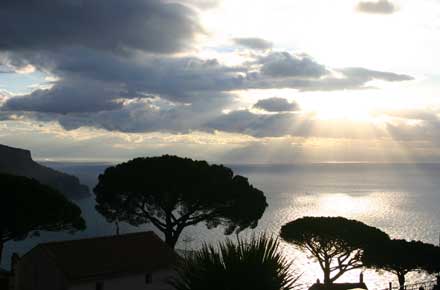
(19, 162)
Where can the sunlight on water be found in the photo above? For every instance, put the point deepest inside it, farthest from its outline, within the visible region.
(386, 210)
(340, 204)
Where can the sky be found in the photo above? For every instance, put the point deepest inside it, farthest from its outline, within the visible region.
(231, 81)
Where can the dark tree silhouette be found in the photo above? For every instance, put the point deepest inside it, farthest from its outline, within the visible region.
(27, 207)
(173, 193)
(255, 264)
(401, 257)
(336, 243)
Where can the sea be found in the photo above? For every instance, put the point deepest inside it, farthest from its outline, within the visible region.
(401, 199)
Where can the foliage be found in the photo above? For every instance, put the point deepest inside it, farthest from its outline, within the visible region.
(256, 264)
(336, 243)
(173, 193)
(401, 257)
(27, 207)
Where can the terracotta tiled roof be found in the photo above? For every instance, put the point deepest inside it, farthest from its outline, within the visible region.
(86, 259)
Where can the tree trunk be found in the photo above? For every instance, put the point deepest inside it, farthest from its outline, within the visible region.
(327, 279)
(170, 235)
(172, 232)
(326, 270)
(401, 278)
(170, 239)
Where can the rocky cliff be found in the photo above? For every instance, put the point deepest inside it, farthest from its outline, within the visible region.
(19, 162)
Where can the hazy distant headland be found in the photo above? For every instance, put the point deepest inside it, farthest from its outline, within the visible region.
(19, 162)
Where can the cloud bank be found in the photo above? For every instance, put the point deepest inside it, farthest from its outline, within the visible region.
(128, 66)
(276, 105)
(110, 25)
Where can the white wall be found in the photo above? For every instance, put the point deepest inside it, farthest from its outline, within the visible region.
(133, 282)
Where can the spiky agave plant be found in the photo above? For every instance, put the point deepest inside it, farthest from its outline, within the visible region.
(256, 264)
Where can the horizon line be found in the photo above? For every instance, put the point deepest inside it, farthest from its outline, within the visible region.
(117, 161)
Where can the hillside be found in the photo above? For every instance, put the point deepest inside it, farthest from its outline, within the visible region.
(19, 162)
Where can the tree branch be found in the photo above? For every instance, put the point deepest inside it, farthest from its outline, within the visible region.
(160, 225)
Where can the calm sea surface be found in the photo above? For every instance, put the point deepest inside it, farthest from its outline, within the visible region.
(402, 200)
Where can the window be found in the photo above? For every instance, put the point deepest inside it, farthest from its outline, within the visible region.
(148, 279)
(99, 286)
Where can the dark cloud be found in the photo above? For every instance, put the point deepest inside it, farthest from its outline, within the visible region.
(94, 89)
(276, 105)
(156, 115)
(140, 116)
(259, 125)
(146, 25)
(254, 43)
(284, 64)
(137, 117)
(376, 7)
(67, 98)
(307, 75)
(91, 81)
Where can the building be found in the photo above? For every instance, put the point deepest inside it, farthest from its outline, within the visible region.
(341, 286)
(4, 279)
(131, 261)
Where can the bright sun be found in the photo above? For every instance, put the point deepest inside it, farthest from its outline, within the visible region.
(345, 111)
(360, 106)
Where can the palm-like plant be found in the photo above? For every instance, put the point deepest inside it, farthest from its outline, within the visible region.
(255, 264)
